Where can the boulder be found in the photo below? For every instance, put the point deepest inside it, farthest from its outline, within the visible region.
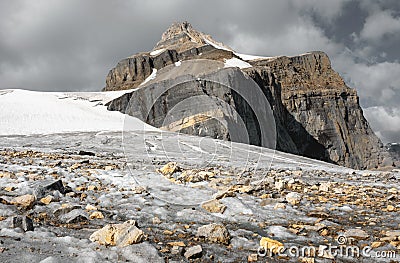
(120, 235)
(24, 201)
(193, 252)
(215, 233)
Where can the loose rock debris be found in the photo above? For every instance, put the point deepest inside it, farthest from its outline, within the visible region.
(62, 205)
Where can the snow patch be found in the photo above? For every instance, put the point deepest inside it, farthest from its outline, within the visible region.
(216, 45)
(156, 52)
(235, 62)
(178, 63)
(250, 57)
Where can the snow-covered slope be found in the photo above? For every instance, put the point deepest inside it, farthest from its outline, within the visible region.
(25, 112)
(235, 62)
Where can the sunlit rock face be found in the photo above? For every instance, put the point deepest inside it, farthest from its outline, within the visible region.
(193, 84)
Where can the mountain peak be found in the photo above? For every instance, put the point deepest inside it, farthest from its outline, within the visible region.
(178, 28)
(182, 36)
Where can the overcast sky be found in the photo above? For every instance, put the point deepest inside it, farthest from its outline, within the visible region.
(70, 45)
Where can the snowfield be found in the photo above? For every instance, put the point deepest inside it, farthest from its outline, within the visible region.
(25, 112)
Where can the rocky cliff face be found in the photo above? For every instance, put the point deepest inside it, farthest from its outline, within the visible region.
(316, 114)
(321, 114)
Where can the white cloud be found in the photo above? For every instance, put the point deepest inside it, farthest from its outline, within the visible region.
(378, 25)
(385, 122)
(293, 39)
(377, 84)
(327, 9)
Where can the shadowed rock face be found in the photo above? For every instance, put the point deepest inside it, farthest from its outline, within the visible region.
(316, 114)
(321, 114)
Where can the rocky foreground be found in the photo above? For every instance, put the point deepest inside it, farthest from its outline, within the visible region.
(84, 198)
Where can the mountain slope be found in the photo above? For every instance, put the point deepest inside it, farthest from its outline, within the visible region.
(315, 113)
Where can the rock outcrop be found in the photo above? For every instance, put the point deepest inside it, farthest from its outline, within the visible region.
(315, 113)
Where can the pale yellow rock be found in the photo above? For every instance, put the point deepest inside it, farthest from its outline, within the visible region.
(195, 176)
(214, 206)
(169, 169)
(280, 185)
(9, 188)
(271, 245)
(245, 189)
(280, 206)
(252, 258)
(80, 188)
(297, 173)
(46, 200)
(390, 208)
(90, 207)
(96, 215)
(176, 243)
(120, 235)
(25, 201)
(395, 243)
(322, 199)
(324, 232)
(108, 168)
(227, 192)
(168, 232)
(388, 238)
(307, 260)
(92, 188)
(376, 244)
(325, 186)
(20, 174)
(139, 189)
(5, 175)
(156, 220)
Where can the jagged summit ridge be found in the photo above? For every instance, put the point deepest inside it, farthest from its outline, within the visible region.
(182, 36)
(181, 28)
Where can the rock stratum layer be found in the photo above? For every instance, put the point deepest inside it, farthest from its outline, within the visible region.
(315, 113)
